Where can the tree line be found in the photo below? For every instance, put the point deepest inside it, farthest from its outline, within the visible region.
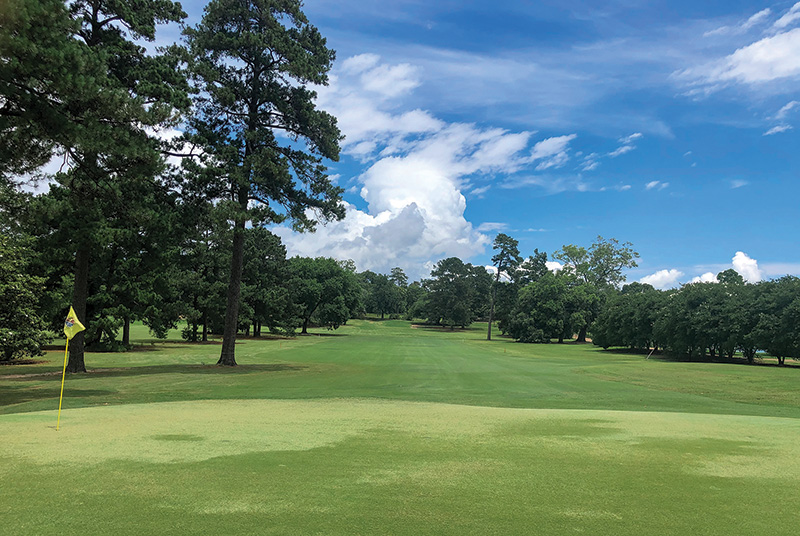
(83, 82)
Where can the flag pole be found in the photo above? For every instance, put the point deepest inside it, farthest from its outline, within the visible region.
(63, 373)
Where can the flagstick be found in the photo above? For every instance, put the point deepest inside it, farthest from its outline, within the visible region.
(63, 373)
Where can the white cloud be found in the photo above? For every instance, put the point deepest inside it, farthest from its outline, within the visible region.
(789, 17)
(758, 18)
(620, 151)
(663, 278)
(707, 277)
(777, 130)
(492, 226)
(553, 152)
(788, 107)
(627, 140)
(738, 183)
(554, 266)
(656, 185)
(627, 145)
(771, 58)
(747, 267)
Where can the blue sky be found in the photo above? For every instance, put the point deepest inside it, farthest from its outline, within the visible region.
(672, 125)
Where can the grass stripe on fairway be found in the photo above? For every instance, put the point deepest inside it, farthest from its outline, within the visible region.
(355, 466)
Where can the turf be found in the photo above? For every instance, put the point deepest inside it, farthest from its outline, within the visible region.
(387, 429)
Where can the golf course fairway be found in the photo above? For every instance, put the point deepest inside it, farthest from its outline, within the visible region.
(126, 461)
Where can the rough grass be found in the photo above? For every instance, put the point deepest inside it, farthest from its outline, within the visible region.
(389, 430)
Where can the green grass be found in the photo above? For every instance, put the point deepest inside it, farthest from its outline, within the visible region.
(379, 428)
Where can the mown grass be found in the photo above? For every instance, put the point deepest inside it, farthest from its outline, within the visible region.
(385, 429)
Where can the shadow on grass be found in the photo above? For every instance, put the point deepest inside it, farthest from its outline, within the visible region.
(13, 394)
(156, 369)
(765, 361)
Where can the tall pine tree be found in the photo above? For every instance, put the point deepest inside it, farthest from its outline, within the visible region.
(255, 119)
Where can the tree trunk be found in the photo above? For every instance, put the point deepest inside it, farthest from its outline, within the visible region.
(126, 331)
(80, 293)
(305, 327)
(227, 356)
(491, 306)
(582, 334)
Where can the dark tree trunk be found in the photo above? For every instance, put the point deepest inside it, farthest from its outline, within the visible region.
(228, 357)
(582, 334)
(491, 306)
(381, 315)
(80, 293)
(126, 331)
(305, 327)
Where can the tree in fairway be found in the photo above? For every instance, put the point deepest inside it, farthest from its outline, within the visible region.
(457, 293)
(323, 291)
(262, 137)
(506, 259)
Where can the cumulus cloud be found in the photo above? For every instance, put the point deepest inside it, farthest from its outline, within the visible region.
(554, 266)
(707, 277)
(416, 169)
(663, 278)
(747, 267)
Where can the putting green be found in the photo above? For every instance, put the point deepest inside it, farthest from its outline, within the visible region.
(361, 466)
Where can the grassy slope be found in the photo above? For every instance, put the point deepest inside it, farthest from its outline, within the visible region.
(301, 446)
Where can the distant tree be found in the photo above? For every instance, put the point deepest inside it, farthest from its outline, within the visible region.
(251, 64)
(382, 295)
(778, 304)
(505, 261)
(528, 271)
(324, 292)
(264, 277)
(628, 317)
(541, 313)
(457, 293)
(601, 266)
(22, 330)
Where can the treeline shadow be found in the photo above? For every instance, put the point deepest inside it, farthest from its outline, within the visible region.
(766, 361)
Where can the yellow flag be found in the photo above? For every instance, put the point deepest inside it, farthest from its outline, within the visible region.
(72, 326)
